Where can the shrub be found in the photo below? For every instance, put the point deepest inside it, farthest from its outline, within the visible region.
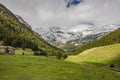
(65, 56)
(23, 53)
(112, 66)
(59, 56)
(40, 53)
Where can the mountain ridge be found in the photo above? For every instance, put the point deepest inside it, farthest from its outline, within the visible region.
(17, 34)
(77, 35)
(108, 39)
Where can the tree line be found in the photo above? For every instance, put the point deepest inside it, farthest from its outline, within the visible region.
(111, 38)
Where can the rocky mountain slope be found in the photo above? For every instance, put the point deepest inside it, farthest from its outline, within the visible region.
(76, 35)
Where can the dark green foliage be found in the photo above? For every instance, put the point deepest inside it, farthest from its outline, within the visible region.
(23, 46)
(17, 34)
(14, 43)
(23, 53)
(40, 53)
(59, 56)
(65, 56)
(111, 38)
(112, 66)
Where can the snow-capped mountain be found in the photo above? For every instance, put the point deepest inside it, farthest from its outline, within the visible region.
(75, 34)
(91, 29)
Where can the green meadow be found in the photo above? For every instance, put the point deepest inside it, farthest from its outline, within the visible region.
(92, 64)
(26, 52)
(101, 55)
(42, 68)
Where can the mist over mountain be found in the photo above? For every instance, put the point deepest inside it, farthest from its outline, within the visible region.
(65, 13)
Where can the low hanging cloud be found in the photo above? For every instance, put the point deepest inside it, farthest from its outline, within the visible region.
(45, 13)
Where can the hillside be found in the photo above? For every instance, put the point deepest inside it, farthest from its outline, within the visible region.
(100, 55)
(111, 38)
(17, 34)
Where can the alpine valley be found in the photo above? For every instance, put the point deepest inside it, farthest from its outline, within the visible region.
(70, 37)
(84, 51)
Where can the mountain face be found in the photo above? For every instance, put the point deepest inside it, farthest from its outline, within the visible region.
(77, 35)
(15, 32)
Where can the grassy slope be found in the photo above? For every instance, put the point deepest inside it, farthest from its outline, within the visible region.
(41, 68)
(108, 39)
(105, 55)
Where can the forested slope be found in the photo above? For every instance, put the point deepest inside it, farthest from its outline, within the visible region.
(16, 34)
(111, 38)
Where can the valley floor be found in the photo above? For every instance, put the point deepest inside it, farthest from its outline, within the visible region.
(42, 68)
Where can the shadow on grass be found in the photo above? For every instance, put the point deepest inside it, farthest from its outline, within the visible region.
(96, 64)
(115, 62)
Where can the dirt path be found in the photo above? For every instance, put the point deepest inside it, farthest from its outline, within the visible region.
(115, 70)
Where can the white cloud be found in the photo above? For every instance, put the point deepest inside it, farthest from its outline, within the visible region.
(54, 12)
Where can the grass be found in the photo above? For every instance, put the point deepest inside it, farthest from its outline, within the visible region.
(19, 51)
(42, 68)
(89, 65)
(103, 55)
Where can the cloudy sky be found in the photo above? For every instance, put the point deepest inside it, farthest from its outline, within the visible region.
(45, 13)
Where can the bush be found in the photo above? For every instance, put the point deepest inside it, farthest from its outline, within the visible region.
(65, 56)
(112, 66)
(40, 53)
(23, 53)
(59, 56)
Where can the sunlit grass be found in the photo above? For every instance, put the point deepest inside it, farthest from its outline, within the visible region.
(106, 55)
(19, 51)
(42, 68)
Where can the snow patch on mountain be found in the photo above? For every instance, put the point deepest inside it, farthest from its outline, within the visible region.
(90, 29)
(75, 33)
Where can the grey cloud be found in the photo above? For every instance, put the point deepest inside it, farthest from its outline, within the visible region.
(45, 13)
